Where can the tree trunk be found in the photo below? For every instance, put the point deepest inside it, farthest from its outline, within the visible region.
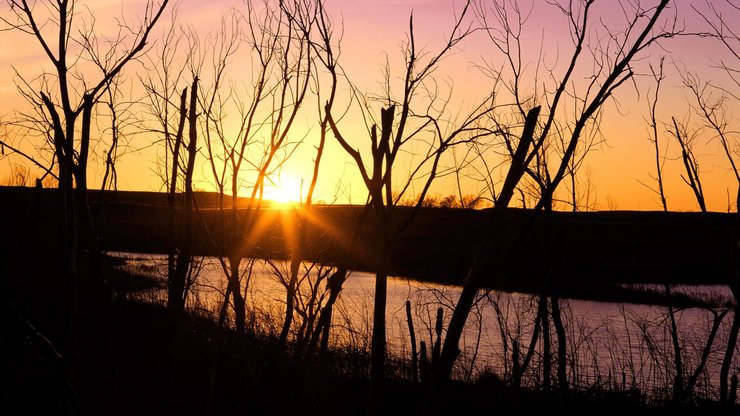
(240, 311)
(728, 357)
(64, 147)
(541, 314)
(412, 338)
(735, 328)
(177, 293)
(438, 331)
(290, 292)
(173, 299)
(377, 351)
(451, 350)
(694, 377)
(562, 358)
(321, 331)
(678, 382)
(88, 231)
(547, 352)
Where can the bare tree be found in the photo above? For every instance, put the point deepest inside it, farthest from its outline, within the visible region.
(176, 122)
(310, 19)
(687, 140)
(19, 175)
(712, 106)
(64, 99)
(610, 66)
(247, 159)
(658, 76)
(70, 91)
(66, 96)
(9, 149)
(121, 120)
(411, 120)
(317, 26)
(179, 264)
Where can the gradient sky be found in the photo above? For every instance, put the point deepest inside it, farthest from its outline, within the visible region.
(374, 31)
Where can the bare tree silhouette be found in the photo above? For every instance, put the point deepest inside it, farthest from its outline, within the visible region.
(609, 70)
(711, 105)
(64, 99)
(412, 119)
(245, 160)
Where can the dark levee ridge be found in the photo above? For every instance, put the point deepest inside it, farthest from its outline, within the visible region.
(586, 249)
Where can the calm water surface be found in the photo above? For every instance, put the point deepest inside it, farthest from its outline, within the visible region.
(609, 344)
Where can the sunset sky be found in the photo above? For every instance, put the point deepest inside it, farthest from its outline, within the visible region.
(374, 32)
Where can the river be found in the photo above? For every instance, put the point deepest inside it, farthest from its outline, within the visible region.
(609, 345)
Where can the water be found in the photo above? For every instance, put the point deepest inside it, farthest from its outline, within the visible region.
(609, 345)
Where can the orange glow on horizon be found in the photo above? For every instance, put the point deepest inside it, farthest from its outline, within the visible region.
(619, 174)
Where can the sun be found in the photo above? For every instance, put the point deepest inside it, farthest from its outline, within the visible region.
(283, 190)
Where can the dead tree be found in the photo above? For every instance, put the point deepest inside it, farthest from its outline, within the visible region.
(712, 104)
(646, 27)
(66, 101)
(400, 126)
(244, 160)
(179, 264)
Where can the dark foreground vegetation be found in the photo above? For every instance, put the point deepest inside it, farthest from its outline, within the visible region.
(131, 359)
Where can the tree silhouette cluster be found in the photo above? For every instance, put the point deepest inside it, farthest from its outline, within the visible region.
(242, 93)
